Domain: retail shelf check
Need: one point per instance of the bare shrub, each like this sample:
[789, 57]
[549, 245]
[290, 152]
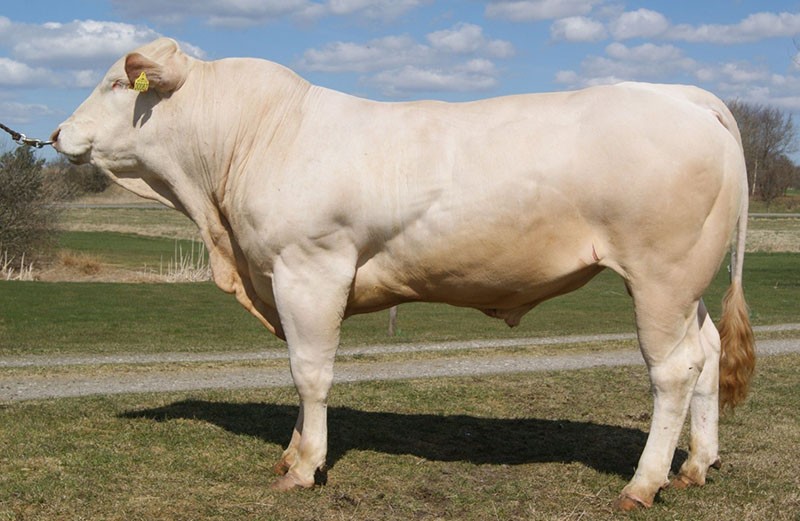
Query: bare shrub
[28, 215]
[73, 181]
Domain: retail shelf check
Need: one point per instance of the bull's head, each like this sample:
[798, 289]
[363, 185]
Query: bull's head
[110, 129]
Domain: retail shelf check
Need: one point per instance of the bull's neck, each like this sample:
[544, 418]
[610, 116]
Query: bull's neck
[250, 107]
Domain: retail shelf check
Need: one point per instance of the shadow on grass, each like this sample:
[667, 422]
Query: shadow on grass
[605, 448]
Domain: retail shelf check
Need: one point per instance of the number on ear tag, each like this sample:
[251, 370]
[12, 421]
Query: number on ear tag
[142, 84]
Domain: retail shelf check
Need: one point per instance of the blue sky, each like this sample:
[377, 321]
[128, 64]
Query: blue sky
[52, 53]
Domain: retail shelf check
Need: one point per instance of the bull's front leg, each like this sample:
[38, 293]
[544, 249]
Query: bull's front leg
[290, 454]
[311, 295]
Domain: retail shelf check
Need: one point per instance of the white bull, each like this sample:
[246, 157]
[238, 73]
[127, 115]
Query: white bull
[316, 205]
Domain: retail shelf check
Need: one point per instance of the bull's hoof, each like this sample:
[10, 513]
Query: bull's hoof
[682, 482]
[281, 468]
[689, 478]
[288, 482]
[626, 503]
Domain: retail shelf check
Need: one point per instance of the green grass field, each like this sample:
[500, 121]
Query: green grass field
[110, 317]
[127, 250]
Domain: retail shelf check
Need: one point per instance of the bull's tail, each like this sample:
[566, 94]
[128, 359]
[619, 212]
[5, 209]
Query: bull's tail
[738, 359]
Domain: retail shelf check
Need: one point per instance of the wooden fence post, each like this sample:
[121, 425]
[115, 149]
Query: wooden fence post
[392, 320]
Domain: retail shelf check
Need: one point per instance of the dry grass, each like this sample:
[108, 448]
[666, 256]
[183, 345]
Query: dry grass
[114, 194]
[72, 266]
[774, 235]
[147, 220]
[186, 266]
[550, 446]
[10, 269]
[81, 262]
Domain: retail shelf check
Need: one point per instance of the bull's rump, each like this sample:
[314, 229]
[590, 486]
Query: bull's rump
[545, 192]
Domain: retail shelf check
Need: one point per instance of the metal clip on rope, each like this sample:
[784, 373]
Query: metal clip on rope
[21, 139]
[32, 142]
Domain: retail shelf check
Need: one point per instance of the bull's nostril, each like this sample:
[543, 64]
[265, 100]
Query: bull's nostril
[54, 135]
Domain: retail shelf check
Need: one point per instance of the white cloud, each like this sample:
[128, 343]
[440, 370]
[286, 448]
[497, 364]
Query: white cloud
[786, 102]
[645, 53]
[577, 29]
[22, 113]
[456, 59]
[534, 10]
[382, 53]
[646, 23]
[229, 13]
[646, 62]
[642, 23]
[758, 87]
[475, 75]
[467, 38]
[755, 27]
[244, 13]
[73, 54]
[374, 9]
[17, 74]
[81, 42]
[568, 77]
[743, 73]
[85, 78]
[649, 62]
[747, 81]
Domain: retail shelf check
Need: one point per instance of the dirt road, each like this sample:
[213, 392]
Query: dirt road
[188, 371]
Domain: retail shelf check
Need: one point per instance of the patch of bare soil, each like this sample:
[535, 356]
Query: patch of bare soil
[169, 231]
[773, 241]
[104, 273]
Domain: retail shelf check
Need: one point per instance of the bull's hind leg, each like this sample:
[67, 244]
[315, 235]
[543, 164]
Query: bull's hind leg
[704, 410]
[669, 337]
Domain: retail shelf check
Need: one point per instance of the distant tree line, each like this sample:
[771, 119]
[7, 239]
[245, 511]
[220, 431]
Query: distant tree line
[769, 137]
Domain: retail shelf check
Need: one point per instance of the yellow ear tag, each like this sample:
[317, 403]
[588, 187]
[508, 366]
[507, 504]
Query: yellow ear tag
[142, 84]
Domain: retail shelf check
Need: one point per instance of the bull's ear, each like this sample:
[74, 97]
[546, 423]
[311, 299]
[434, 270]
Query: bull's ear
[164, 78]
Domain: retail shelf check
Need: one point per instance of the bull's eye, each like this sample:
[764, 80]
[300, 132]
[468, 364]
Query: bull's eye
[119, 84]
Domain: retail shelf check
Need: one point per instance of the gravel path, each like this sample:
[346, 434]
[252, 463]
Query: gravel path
[54, 384]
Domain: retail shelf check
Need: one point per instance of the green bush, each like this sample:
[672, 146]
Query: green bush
[28, 215]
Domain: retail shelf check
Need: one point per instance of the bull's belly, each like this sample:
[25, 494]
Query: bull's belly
[504, 290]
